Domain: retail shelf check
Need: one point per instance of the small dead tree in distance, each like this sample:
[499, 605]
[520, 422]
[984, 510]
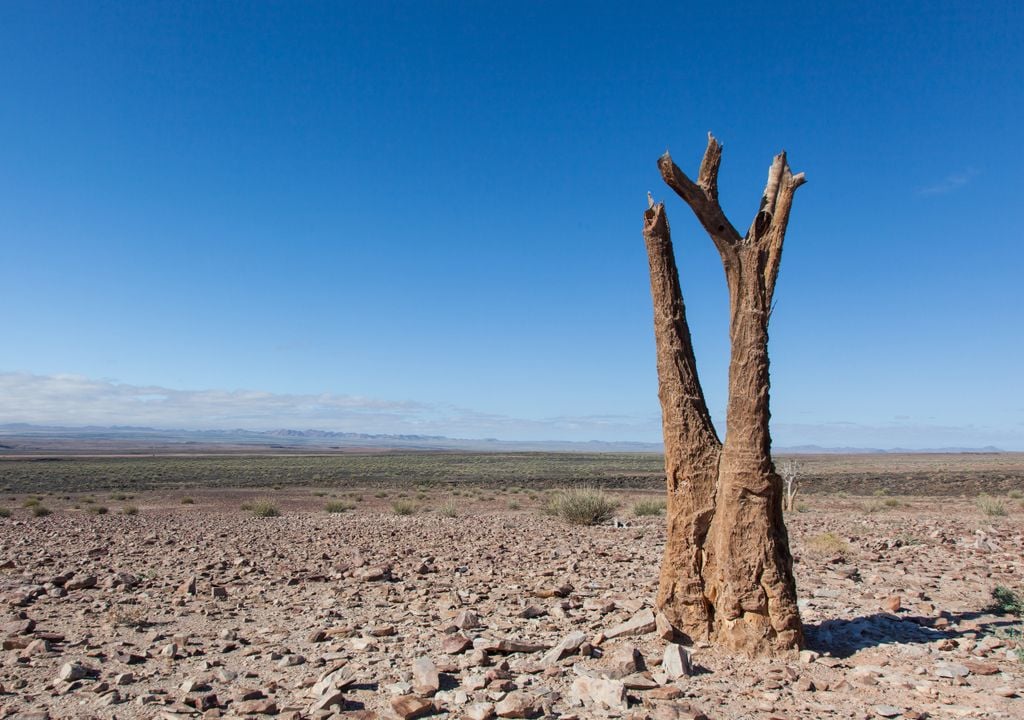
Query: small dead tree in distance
[727, 572]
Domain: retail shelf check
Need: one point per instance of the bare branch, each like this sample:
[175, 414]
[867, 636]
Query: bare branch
[769, 227]
[687, 422]
[702, 196]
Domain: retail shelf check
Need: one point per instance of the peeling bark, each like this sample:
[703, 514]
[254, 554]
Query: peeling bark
[727, 573]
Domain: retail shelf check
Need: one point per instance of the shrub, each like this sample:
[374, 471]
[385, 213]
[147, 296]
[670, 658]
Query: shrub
[338, 506]
[582, 506]
[188, 501]
[1007, 601]
[119, 497]
[98, 510]
[891, 502]
[513, 505]
[828, 543]
[403, 507]
[264, 508]
[449, 508]
[130, 510]
[991, 506]
[1015, 495]
[4, 512]
[40, 510]
[649, 507]
[30, 502]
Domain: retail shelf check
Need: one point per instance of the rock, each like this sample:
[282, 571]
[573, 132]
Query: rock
[517, 705]
[600, 691]
[507, 645]
[455, 644]
[666, 631]
[952, 670]
[676, 663]
[893, 604]
[569, 645]
[71, 671]
[640, 624]
[676, 711]
[808, 656]
[887, 711]
[467, 620]
[188, 587]
[479, 711]
[374, 573]
[425, 679]
[219, 592]
[263, 706]
[409, 707]
[327, 699]
[83, 582]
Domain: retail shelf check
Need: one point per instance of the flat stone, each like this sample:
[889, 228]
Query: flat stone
[640, 624]
[517, 705]
[600, 691]
[676, 663]
[887, 711]
[425, 679]
[409, 707]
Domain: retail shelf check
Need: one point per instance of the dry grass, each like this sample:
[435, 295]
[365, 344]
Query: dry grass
[649, 507]
[991, 506]
[582, 506]
[828, 543]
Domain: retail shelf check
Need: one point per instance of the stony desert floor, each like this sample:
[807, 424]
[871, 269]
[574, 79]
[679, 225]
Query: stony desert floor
[476, 604]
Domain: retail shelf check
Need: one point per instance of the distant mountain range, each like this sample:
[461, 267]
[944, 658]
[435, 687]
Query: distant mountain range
[26, 439]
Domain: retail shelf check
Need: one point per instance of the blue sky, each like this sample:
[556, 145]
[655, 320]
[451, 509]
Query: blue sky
[402, 217]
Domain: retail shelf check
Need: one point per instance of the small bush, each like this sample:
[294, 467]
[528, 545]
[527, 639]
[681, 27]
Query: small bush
[991, 506]
[338, 506]
[1007, 601]
[130, 510]
[582, 506]
[403, 507]
[828, 544]
[264, 508]
[30, 502]
[514, 505]
[98, 510]
[40, 511]
[1015, 495]
[188, 501]
[4, 512]
[119, 497]
[891, 502]
[449, 508]
[644, 508]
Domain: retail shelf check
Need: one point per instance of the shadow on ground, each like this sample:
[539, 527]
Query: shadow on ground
[843, 638]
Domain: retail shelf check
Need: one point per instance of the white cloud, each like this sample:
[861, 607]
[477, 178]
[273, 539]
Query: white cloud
[953, 181]
[76, 400]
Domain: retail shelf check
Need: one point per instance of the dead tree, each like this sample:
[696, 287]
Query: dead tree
[789, 471]
[727, 572]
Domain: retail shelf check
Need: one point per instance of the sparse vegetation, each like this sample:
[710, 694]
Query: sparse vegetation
[40, 510]
[98, 510]
[991, 506]
[404, 507]
[828, 543]
[514, 504]
[644, 508]
[1007, 601]
[130, 510]
[264, 508]
[1015, 495]
[582, 506]
[4, 512]
[188, 501]
[338, 506]
[449, 508]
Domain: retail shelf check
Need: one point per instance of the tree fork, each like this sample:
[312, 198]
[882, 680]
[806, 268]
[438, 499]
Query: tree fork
[727, 572]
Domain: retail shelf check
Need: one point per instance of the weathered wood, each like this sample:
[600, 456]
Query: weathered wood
[727, 573]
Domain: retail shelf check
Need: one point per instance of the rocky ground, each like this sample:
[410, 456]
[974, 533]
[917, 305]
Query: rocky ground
[483, 605]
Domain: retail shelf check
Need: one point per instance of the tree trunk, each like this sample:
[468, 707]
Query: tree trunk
[727, 573]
